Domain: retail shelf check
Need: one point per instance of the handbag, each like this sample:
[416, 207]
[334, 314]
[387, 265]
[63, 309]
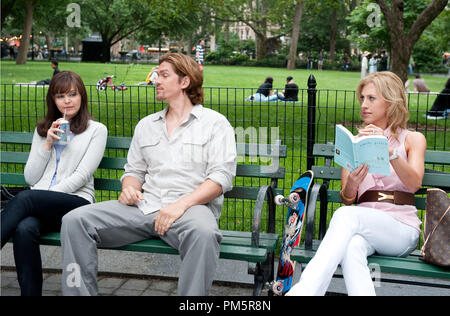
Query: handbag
[436, 235]
[7, 194]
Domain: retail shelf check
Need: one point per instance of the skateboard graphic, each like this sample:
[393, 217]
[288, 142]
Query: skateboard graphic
[296, 202]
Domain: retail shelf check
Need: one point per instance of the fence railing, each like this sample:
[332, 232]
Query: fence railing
[298, 125]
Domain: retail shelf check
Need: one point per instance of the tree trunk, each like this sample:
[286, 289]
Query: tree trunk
[333, 34]
[261, 46]
[25, 41]
[105, 56]
[401, 52]
[294, 39]
[49, 40]
[261, 30]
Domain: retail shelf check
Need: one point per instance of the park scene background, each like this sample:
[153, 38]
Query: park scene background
[246, 41]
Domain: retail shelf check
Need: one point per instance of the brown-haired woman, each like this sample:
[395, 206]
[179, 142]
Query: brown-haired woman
[385, 218]
[60, 176]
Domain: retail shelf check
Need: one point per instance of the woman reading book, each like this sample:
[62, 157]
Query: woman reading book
[384, 219]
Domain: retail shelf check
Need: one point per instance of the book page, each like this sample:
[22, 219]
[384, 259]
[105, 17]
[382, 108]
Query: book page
[373, 151]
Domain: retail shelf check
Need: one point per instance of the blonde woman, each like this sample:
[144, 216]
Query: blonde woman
[388, 227]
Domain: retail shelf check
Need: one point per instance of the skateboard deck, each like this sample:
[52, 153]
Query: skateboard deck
[296, 202]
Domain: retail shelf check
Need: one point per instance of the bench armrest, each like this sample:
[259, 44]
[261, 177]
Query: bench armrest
[256, 225]
[318, 191]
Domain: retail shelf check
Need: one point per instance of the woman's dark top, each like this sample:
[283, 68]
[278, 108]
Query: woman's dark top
[291, 92]
[264, 89]
[441, 103]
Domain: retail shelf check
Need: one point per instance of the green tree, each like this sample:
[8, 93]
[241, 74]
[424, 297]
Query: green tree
[274, 17]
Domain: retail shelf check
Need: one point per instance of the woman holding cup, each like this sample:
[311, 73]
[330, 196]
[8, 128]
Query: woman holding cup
[66, 150]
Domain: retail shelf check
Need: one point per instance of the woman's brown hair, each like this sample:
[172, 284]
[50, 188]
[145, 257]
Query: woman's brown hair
[63, 82]
[186, 66]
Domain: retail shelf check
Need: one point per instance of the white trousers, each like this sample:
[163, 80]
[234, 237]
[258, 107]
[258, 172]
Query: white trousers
[354, 234]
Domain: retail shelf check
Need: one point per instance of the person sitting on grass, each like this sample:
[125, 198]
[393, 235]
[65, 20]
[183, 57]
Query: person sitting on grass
[420, 85]
[265, 92]
[441, 106]
[54, 64]
[290, 91]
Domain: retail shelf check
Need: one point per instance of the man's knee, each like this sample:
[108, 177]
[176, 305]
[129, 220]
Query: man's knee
[74, 218]
[202, 227]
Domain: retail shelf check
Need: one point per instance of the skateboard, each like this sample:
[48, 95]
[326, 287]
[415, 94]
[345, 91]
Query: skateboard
[296, 202]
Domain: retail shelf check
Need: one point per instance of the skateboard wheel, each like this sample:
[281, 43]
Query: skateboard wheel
[294, 197]
[279, 200]
[277, 288]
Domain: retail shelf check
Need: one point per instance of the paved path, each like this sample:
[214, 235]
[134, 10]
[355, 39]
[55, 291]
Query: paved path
[121, 285]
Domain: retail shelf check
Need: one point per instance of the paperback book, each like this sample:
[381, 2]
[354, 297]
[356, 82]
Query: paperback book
[351, 151]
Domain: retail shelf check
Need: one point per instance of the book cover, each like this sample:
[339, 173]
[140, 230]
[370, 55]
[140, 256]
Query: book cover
[350, 151]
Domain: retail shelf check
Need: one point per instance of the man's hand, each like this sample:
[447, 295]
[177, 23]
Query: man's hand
[130, 196]
[204, 194]
[167, 216]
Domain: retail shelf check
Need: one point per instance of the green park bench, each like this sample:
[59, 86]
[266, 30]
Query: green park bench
[255, 247]
[323, 193]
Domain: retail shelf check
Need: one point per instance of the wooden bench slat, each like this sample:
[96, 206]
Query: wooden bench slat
[13, 179]
[14, 157]
[242, 170]
[237, 192]
[228, 250]
[437, 157]
[116, 142]
[255, 171]
[16, 137]
[249, 193]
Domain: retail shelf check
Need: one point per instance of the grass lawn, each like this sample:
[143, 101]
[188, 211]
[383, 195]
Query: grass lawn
[214, 76]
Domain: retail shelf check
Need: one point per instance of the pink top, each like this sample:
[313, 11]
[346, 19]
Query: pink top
[406, 214]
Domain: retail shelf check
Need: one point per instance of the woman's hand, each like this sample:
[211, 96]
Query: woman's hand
[370, 130]
[52, 135]
[351, 182]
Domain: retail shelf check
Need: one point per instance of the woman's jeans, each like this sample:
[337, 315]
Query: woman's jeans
[354, 234]
[29, 214]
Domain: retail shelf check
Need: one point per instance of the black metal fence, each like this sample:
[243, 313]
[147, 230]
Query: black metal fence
[298, 124]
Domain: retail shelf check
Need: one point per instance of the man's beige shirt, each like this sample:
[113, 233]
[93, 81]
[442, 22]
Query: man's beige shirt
[202, 147]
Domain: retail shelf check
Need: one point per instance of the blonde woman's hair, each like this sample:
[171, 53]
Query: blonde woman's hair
[392, 90]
